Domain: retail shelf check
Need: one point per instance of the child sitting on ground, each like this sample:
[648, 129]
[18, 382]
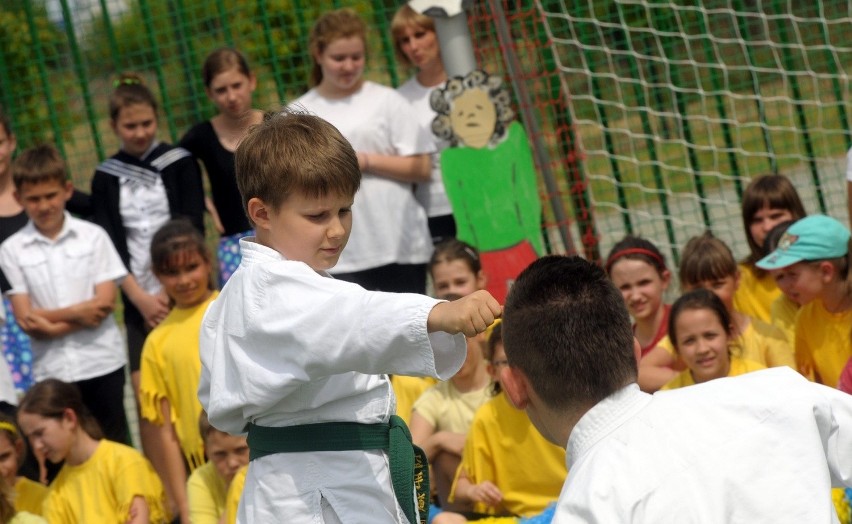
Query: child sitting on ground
[27, 495]
[507, 467]
[706, 262]
[298, 359]
[208, 485]
[814, 255]
[701, 332]
[456, 272]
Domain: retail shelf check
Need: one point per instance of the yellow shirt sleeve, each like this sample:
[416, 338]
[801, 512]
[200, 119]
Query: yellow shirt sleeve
[783, 311]
[235, 493]
[407, 390]
[765, 344]
[823, 344]
[755, 294]
[29, 495]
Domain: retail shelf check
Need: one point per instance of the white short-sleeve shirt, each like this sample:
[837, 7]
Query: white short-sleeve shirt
[58, 273]
[389, 225]
[431, 195]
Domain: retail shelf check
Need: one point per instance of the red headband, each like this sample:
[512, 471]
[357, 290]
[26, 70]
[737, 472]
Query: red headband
[634, 251]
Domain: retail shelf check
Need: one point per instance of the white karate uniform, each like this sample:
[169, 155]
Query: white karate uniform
[390, 225]
[283, 345]
[762, 447]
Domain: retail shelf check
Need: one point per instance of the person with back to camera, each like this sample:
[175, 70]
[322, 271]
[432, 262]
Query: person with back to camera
[390, 242]
[296, 358]
[762, 447]
[229, 84]
[416, 46]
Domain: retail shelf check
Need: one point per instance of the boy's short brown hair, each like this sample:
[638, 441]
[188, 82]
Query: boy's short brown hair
[292, 151]
[38, 164]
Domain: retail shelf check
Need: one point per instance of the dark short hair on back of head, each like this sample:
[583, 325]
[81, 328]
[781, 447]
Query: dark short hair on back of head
[41, 163]
[290, 152]
[704, 258]
[565, 326]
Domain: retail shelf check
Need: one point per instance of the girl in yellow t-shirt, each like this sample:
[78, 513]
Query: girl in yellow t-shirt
[501, 446]
[767, 201]
[28, 495]
[700, 330]
[100, 480]
[171, 366]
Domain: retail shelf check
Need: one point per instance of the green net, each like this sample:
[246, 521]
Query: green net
[645, 117]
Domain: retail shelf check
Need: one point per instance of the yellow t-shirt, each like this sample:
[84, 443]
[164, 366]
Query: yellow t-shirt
[235, 493]
[407, 390]
[761, 343]
[29, 495]
[447, 409]
[502, 445]
[823, 343]
[755, 294]
[102, 488]
[206, 492]
[784, 313]
[739, 366]
[171, 369]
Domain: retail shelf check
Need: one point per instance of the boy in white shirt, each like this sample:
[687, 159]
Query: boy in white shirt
[761, 447]
[64, 274]
[297, 359]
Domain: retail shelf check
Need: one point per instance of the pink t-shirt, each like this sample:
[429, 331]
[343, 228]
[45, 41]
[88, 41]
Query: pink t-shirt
[845, 383]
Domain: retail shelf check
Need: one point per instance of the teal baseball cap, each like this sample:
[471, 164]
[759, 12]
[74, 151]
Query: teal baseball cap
[816, 237]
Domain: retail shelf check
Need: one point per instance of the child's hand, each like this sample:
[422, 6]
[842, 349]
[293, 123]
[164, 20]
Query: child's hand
[469, 315]
[154, 308]
[486, 493]
[91, 313]
[39, 327]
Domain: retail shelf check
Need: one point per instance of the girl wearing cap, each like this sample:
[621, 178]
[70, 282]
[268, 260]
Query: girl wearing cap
[813, 258]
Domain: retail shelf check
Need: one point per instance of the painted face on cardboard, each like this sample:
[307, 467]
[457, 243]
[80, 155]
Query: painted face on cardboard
[641, 286]
[702, 343]
[473, 117]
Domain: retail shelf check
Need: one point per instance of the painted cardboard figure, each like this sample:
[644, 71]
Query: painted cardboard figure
[489, 176]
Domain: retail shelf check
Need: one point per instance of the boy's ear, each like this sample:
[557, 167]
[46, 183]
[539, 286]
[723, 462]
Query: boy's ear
[481, 279]
[516, 385]
[69, 190]
[827, 270]
[259, 213]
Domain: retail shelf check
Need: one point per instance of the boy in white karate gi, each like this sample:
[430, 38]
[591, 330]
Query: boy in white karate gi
[762, 447]
[296, 359]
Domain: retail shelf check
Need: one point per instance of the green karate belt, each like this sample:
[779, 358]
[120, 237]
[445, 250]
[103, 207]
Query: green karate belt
[408, 465]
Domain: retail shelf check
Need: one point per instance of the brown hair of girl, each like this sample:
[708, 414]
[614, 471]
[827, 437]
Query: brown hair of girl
[51, 397]
[130, 89]
[333, 25]
[221, 60]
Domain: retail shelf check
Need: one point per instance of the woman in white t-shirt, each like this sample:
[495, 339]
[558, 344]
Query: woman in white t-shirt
[416, 45]
[390, 242]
